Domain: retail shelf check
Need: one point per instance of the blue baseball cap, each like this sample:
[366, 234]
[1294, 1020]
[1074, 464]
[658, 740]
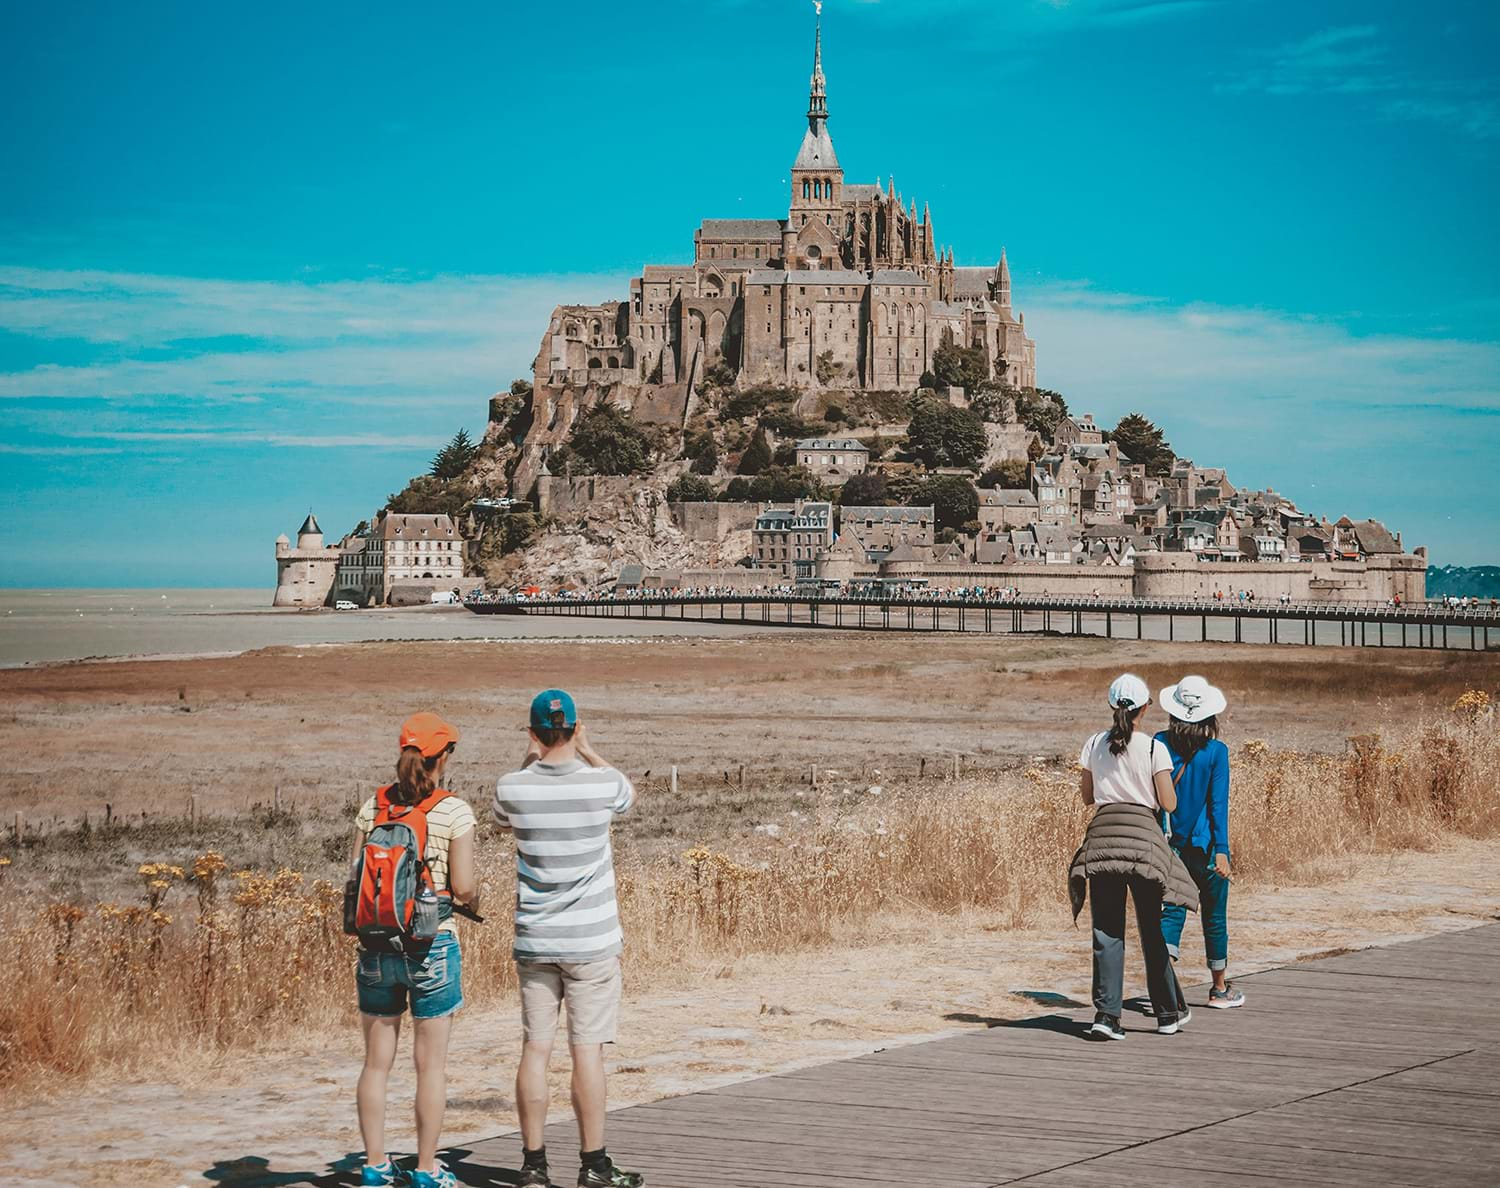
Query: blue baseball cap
[546, 705]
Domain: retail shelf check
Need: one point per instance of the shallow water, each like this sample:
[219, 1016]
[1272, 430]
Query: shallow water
[39, 626]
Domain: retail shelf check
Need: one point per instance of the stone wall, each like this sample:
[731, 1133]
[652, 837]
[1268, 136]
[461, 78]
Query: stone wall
[732, 578]
[1079, 581]
[1181, 575]
[303, 580]
[565, 498]
[712, 522]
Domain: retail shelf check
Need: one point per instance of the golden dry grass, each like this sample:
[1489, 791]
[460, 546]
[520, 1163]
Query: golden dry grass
[210, 962]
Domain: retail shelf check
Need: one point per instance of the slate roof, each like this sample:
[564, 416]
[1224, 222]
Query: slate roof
[410, 527]
[806, 276]
[862, 192]
[973, 282]
[898, 276]
[832, 443]
[309, 525]
[741, 229]
[817, 150]
[1051, 538]
[889, 515]
[1006, 498]
[1373, 537]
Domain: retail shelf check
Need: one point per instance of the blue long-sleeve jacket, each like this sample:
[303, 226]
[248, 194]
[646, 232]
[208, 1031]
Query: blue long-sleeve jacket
[1201, 818]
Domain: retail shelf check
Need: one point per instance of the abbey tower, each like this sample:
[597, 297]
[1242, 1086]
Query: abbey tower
[849, 290]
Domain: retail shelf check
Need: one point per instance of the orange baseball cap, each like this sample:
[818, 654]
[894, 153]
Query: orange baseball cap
[428, 733]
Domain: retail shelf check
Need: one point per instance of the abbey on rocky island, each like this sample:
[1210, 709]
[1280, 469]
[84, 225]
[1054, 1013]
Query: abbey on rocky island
[848, 291]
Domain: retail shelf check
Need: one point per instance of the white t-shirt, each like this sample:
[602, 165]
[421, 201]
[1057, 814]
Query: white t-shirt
[1127, 778]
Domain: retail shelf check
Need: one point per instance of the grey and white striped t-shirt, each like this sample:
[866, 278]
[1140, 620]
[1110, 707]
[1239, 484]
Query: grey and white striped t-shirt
[565, 874]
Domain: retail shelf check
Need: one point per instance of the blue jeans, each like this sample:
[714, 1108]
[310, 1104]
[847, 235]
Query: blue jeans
[1213, 908]
[432, 982]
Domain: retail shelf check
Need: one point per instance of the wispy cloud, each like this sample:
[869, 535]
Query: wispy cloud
[1355, 60]
[382, 363]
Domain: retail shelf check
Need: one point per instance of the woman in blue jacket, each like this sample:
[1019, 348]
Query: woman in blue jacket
[1199, 825]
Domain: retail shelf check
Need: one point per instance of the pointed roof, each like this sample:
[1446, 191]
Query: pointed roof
[310, 525]
[817, 147]
[817, 150]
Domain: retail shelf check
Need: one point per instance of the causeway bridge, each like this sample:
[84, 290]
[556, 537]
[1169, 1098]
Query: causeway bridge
[1313, 624]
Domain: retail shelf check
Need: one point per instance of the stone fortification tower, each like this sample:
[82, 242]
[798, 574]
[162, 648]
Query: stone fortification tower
[304, 575]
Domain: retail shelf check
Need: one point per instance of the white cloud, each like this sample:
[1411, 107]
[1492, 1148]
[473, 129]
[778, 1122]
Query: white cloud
[378, 362]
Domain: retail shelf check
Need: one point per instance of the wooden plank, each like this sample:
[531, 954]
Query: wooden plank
[1365, 1068]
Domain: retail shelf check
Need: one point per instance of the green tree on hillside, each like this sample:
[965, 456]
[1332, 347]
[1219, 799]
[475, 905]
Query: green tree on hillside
[1041, 410]
[1144, 444]
[864, 490]
[962, 367]
[691, 488]
[941, 435]
[953, 498]
[757, 455]
[777, 484]
[1011, 475]
[454, 458]
[604, 441]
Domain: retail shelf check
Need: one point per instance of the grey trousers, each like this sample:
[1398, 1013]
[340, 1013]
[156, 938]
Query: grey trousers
[1107, 909]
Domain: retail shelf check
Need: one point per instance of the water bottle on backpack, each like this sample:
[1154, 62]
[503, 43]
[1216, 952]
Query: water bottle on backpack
[390, 902]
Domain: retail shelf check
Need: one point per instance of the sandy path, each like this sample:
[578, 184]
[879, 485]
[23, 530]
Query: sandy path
[292, 1111]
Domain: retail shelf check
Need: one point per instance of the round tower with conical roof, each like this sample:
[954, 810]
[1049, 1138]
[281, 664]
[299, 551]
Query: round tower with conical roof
[305, 574]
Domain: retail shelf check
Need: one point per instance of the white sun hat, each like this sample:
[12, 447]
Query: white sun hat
[1192, 699]
[1130, 691]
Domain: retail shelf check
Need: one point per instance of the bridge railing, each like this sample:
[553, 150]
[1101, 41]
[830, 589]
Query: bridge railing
[1435, 612]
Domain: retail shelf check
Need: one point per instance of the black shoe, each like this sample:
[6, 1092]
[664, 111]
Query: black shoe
[1106, 1027]
[612, 1178]
[1172, 1024]
[534, 1177]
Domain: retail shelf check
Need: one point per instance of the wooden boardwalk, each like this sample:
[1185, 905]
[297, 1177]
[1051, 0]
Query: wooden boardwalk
[1378, 1067]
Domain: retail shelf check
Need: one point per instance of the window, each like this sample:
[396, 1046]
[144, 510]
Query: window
[806, 188]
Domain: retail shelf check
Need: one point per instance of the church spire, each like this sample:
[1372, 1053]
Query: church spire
[1002, 281]
[817, 100]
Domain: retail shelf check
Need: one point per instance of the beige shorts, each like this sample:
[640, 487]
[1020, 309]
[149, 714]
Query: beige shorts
[591, 990]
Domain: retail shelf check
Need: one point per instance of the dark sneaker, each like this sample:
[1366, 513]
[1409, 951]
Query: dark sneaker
[1172, 1024]
[1106, 1027]
[534, 1177]
[1225, 998]
[613, 1178]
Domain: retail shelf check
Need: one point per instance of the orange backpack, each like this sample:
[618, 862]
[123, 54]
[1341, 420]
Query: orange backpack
[390, 902]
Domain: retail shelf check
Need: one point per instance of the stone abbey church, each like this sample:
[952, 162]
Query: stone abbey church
[848, 291]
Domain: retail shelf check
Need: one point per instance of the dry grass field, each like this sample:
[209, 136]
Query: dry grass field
[155, 944]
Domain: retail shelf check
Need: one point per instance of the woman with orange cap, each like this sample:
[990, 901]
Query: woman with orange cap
[424, 974]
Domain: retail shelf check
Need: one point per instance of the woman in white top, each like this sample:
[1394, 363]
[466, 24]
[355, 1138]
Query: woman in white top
[1125, 767]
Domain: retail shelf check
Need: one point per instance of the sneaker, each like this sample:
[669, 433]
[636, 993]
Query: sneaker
[1225, 998]
[1172, 1024]
[381, 1174]
[612, 1178]
[1106, 1027]
[534, 1177]
[442, 1178]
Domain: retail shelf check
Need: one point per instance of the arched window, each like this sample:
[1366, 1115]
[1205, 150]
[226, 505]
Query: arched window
[817, 189]
[806, 188]
[614, 360]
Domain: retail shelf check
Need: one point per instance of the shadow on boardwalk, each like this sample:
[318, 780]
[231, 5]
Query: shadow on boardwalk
[1380, 1066]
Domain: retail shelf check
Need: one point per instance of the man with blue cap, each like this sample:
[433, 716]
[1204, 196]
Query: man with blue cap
[568, 940]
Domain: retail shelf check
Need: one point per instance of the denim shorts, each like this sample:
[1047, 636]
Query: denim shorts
[433, 982]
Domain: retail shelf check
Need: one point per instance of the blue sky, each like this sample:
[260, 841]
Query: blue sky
[260, 258]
